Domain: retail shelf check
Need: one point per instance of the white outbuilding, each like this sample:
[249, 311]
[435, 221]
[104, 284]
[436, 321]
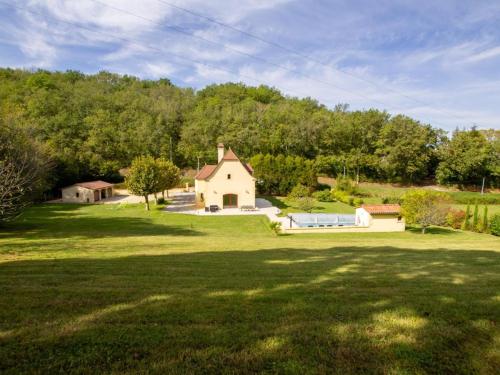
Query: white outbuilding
[87, 192]
[380, 217]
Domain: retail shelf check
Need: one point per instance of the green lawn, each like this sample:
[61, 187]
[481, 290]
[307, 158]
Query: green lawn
[115, 289]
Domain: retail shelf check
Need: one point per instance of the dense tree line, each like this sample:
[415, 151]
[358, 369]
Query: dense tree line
[93, 125]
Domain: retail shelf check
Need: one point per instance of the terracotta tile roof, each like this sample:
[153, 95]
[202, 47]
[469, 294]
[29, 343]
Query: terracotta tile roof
[382, 209]
[205, 172]
[94, 185]
[230, 155]
[209, 169]
[249, 168]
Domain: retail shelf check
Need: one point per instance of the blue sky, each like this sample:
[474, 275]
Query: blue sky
[437, 61]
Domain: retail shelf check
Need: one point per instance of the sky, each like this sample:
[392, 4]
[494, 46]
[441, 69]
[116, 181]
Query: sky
[436, 61]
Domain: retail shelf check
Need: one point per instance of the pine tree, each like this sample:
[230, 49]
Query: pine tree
[485, 219]
[466, 224]
[475, 218]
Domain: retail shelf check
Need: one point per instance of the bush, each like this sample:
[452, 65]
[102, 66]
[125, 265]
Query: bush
[275, 226]
[455, 218]
[495, 225]
[358, 202]
[161, 201]
[341, 196]
[299, 191]
[323, 196]
[346, 185]
[306, 204]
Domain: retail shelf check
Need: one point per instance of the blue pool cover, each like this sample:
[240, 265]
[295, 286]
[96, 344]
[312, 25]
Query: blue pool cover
[323, 220]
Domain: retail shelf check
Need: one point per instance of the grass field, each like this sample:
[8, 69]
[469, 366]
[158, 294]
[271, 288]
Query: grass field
[115, 289]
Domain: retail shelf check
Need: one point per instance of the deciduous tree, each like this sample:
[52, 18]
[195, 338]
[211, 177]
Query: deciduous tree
[143, 177]
[425, 207]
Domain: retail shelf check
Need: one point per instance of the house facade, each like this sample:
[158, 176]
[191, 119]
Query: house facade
[227, 184]
[87, 192]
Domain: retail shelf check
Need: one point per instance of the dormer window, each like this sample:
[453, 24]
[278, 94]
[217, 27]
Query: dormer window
[228, 176]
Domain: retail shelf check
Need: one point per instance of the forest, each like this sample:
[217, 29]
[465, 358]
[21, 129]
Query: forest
[90, 126]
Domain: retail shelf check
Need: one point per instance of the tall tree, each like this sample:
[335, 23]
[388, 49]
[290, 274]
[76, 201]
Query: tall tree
[467, 158]
[407, 149]
[143, 177]
[169, 175]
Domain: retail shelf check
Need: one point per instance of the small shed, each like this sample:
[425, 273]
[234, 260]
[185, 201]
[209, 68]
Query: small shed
[87, 192]
[380, 217]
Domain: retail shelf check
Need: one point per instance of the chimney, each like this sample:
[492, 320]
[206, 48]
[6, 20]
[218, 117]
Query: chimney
[220, 152]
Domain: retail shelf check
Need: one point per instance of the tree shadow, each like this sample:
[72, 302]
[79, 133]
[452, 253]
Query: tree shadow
[67, 221]
[275, 201]
[344, 310]
[432, 230]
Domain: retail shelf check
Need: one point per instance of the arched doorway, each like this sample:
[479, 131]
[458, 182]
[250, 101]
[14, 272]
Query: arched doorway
[230, 200]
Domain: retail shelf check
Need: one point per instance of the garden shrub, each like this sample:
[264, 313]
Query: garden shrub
[323, 196]
[305, 204]
[299, 191]
[495, 225]
[275, 226]
[455, 218]
[346, 185]
[341, 196]
[358, 202]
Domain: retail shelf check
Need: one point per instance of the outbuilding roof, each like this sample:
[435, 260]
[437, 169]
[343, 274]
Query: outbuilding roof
[94, 185]
[382, 209]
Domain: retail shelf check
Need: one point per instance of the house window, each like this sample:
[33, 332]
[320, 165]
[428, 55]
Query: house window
[77, 194]
[228, 176]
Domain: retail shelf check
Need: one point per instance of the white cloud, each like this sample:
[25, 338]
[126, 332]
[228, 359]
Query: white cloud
[486, 54]
[159, 69]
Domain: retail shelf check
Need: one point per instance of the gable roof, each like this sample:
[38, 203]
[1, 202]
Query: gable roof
[209, 169]
[230, 155]
[94, 185]
[382, 209]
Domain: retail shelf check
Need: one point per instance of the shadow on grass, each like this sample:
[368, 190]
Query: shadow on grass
[275, 202]
[432, 230]
[344, 310]
[67, 221]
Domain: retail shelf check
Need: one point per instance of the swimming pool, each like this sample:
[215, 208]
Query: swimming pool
[323, 220]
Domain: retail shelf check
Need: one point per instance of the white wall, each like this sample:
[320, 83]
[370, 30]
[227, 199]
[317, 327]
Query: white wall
[363, 218]
[241, 183]
[84, 195]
